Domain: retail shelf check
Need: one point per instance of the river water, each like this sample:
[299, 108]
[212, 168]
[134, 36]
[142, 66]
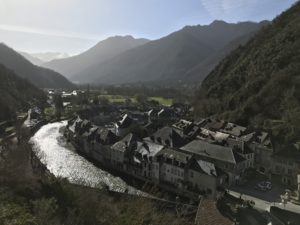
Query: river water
[53, 151]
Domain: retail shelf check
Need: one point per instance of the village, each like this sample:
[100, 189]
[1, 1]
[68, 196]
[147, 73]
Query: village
[165, 146]
[205, 162]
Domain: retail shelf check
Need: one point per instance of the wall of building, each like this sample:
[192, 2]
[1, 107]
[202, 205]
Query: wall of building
[202, 182]
[172, 174]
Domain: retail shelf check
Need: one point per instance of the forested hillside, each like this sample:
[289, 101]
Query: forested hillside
[15, 93]
[259, 83]
[41, 77]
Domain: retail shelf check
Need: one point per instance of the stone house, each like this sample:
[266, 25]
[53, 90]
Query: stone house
[173, 167]
[104, 138]
[145, 154]
[168, 137]
[204, 177]
[223, 157]
[122, 127]
[122, 152]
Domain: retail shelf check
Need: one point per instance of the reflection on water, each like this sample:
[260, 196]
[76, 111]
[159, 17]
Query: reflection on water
[53, 152]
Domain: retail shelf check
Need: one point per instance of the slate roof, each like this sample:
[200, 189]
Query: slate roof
[213, 151]
[106, 136]
[168, 136]
[204, 167]
[153, 112]
[183, 124]
[125, 122]
[166, 112]
[214, 125]
[248, 137]
[148, 148]
[239, 146]
[233, 129]
[174, 154]
[129, 140]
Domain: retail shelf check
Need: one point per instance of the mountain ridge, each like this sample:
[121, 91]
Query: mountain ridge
[102, 51]
[168, 58]
[39, 76]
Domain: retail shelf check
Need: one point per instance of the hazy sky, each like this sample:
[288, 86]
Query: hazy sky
[74, 25]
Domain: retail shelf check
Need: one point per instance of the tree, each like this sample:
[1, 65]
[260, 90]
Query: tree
[141, 98]
[59, 106]
[96, 100]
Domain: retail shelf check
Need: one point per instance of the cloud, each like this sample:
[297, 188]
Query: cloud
[213, 7]
[219, 8]
[38, 31]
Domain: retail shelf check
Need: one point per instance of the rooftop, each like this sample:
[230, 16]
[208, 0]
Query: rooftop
[213, 151]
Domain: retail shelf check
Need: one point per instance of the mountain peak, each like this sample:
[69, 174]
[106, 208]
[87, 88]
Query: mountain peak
[218, 22]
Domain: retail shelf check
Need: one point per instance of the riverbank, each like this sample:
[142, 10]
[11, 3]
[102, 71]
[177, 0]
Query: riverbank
[31, 195]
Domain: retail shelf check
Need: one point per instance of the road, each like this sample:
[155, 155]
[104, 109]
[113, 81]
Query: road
[265, 205]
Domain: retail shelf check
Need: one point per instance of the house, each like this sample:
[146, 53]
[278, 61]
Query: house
[214, 124]
[168, 137]
[223, 157]
[153, 114]
[167, 115]
[104, 138]
[233, 129]
[86, 143]
[212, 136]
[243, 149]
[122, 127]
[122, 152]
[263, 150]
[72, 130]
[145, 154]
[286, 165]
[180, 108]
[187, 128]
[173, 166]
[204, 177]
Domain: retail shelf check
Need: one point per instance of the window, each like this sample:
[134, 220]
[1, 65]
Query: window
[191, 174]
[290, 171]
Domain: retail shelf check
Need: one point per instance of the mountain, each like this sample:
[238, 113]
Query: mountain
[168, 59]
[101, 52]
[41, 77]
[202, 69]
[32, 59]
[15, 93]
[259, 83]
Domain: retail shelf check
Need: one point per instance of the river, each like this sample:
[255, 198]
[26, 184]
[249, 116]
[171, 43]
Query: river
[62, 161]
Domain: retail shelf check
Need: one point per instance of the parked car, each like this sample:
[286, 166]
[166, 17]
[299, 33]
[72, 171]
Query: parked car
[260, 187]
[268, 185]
[263, 186]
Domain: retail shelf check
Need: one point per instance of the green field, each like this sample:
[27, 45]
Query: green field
[122, 99]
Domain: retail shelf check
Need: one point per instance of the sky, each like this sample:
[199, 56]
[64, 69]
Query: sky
[73, 26]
